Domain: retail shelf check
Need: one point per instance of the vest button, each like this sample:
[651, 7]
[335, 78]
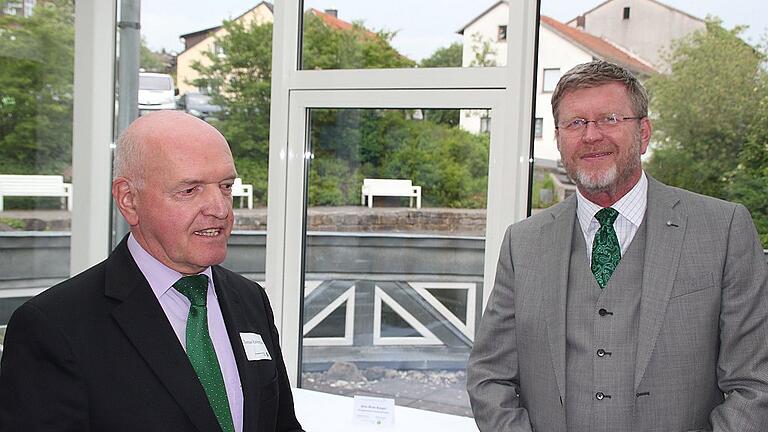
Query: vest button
[599, 395]
[602, 312]
[600, 352]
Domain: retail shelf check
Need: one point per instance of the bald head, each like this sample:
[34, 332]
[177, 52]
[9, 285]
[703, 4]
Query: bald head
[165, 132]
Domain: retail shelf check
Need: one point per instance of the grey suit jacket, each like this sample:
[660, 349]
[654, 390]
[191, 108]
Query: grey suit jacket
[702, 345]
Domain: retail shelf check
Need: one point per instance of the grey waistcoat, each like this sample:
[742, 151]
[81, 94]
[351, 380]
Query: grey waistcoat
[601, 345]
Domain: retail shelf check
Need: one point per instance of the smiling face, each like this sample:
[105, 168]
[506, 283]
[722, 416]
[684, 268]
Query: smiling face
[181, 211]
[604, 163]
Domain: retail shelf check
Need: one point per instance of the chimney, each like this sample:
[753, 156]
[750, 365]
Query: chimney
[332, 12]
[581, 21]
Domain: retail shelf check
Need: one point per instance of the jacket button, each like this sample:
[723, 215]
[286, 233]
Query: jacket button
[602, 312]
[600, 352]
[599, 395]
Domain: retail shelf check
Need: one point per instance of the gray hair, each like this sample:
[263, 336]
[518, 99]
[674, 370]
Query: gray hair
[128, 155]
[597, 73]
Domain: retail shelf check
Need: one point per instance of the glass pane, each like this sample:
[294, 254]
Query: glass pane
[223, 75]
[351, 34]
[36, 87]
[395, 239]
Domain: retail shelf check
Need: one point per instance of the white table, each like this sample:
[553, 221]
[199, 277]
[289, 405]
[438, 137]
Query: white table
[321, 412]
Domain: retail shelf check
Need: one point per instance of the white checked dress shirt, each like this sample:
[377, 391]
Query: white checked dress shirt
[631, 208]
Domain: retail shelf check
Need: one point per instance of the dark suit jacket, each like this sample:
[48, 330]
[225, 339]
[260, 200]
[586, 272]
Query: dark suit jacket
[96, 353]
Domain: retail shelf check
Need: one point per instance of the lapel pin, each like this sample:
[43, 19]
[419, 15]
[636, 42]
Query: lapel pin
[671, 224]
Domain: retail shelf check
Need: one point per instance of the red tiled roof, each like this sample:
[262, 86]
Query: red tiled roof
[331, 21]
[600, 47]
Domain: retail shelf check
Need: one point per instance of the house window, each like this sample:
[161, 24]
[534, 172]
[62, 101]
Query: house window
[485, 124]
[218, 49]
[538, 127]
[626, 13]
[502, 33]
[550, 79]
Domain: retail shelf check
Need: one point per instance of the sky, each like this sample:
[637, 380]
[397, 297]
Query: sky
[422, 26]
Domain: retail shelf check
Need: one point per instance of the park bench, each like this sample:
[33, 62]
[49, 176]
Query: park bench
[391, 187]
[242, 190]
[35, 186]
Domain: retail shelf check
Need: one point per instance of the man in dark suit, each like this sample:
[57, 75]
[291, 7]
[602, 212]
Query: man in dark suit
[157, 337]
[631, 305]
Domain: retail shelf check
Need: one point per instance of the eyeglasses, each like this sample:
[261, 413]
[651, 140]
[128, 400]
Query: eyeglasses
[578, 125]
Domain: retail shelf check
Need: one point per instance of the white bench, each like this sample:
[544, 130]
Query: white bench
[35, 186]
[390, 187]
[242, 190]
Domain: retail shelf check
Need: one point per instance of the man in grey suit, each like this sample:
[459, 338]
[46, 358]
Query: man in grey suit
[630, 306]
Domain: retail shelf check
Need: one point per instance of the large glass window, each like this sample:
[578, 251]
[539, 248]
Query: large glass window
[395, 222]
[36, 102]
[402, 34]
[220, 60]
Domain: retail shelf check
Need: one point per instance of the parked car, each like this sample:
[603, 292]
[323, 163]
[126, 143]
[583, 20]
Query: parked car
[199, 105]
[156, 92]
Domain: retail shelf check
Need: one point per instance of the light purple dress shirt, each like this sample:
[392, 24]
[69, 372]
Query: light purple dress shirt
[176, 308]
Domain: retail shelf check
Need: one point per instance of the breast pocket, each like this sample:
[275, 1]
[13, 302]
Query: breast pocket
[691, 283]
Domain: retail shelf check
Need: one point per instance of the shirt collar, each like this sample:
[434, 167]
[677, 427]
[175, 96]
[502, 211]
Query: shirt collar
[627, 206]
[160, 277]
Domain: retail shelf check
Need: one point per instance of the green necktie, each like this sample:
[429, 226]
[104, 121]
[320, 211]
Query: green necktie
[606, 251]
[200, 348]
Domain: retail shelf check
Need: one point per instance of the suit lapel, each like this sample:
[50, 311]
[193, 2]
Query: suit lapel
[146, 327]
[666, 224]
[555, 251]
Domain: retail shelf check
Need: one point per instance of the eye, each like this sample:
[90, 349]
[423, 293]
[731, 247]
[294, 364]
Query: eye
[576, 123]
[611, 119]
[188, 191]
[227, 187]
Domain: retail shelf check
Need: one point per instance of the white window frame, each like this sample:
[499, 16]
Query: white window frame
[507, 91]
[547, 84]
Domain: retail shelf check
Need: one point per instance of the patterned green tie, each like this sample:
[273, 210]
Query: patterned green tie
[606, 251]
[200, 348]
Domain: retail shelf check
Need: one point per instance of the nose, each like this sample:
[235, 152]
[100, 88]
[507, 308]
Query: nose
[217, 203]
[592, 132]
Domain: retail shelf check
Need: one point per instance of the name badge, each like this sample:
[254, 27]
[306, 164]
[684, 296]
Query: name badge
[254, 347]
[378, 412]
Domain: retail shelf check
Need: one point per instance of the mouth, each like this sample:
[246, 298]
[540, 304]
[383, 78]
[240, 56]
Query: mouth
[596, 155]
[209, 232]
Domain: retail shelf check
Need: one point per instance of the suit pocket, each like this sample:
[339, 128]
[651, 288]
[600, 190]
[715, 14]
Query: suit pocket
[686, 285]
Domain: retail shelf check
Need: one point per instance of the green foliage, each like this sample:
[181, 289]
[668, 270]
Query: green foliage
[36, 86]
[16, 224]
[149, 60]
[712, 121]
[449, 164]
[749, 183]
[348, 145]
[704, 106]
[540, 184]
[449, 56]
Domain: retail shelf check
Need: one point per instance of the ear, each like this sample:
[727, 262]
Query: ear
[124, 193]
[646, 130]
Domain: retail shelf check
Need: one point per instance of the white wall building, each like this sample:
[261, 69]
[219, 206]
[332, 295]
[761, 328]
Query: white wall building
[646, 27]
[560, 48]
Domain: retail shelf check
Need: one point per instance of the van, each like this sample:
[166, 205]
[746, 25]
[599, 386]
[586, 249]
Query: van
[156, 92]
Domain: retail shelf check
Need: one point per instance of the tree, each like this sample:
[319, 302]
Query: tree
[704, 109]
[449, 56]
[149, 60]
[712, 120]
[36, 87]
[749, 182]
